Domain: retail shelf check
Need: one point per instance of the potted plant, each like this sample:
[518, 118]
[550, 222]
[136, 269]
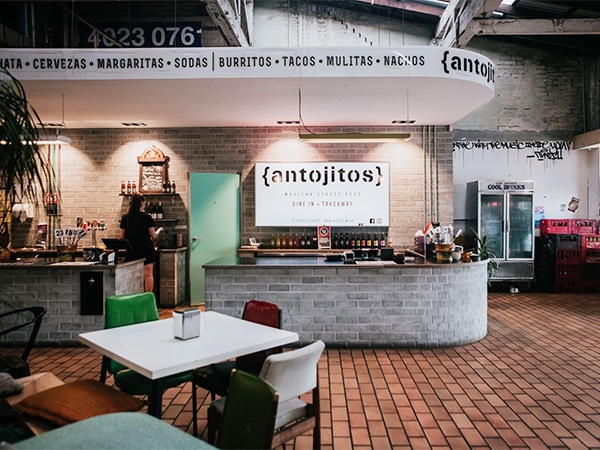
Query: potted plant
[23, 168]
[484, 252]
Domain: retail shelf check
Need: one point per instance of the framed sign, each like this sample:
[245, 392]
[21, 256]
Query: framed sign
[322, 193]
[153, 170]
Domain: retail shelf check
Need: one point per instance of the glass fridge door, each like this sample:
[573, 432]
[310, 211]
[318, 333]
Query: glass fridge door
[491, 222]
[520, 232]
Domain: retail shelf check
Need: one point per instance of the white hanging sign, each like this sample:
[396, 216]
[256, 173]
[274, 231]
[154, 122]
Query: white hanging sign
[332, 193]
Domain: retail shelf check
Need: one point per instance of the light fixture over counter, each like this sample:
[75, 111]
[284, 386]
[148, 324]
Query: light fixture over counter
[354, 137]
[53, 140]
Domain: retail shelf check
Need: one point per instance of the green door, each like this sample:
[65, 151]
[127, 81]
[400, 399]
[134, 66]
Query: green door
[214, 224]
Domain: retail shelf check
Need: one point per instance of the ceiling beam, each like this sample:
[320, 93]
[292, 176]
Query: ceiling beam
[524, 27]
[455, 27]
[233, 19]
[587, 140]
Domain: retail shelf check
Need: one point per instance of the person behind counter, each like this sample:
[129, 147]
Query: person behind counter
[138, 228]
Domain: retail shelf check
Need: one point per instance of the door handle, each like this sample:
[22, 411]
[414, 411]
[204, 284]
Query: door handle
[196, 239]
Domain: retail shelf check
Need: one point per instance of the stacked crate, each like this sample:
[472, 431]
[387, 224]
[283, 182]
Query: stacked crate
[568, 255]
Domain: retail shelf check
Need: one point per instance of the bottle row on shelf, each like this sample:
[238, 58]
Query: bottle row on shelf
[155, 210]
[341, 241]
[130, 188]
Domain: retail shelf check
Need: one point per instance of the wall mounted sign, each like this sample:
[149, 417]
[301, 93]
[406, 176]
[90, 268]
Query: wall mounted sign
[313, 194]
[153, 170]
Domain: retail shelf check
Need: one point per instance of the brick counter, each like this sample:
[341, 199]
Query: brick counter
[57, 288]
[370, 305]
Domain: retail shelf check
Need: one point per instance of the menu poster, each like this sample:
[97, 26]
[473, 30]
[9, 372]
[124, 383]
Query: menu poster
[151, 178]
[330, 193]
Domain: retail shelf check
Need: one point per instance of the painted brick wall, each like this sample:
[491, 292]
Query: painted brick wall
[349, 306]
[93, 166]
[58, 290]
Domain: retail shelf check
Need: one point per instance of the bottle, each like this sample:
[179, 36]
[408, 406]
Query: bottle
[363, 241]
[353, 241]
[315, 242]
[382, 242]
[128, 187]
[278, 242]
[369, 242]
[335, 242]
[164, 187]
[302, 242]
[168, 186]
[133, 188]
[159, 212]
[284, 242]
[123, 188]
[295, 241]
[347, 241]
[173, 189]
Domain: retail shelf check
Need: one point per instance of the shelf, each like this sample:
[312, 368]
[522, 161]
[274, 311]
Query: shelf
[167, 220]
[146, 194]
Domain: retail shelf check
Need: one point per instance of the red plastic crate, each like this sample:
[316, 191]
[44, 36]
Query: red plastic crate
[568, 255]
[566, 285]
[590, 256]
[554, 226]
[568, 270]
[583, 226]
[590, 241]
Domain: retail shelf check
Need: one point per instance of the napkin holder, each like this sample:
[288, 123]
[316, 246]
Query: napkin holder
[186, 323]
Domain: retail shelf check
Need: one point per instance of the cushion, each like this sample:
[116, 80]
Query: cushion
[76, 401]
[9, 386]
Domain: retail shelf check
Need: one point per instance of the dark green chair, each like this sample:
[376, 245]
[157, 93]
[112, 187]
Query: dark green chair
[249, 413]
[129, 309]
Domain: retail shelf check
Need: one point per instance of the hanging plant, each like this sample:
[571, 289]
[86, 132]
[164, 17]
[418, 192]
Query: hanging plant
[23, 169]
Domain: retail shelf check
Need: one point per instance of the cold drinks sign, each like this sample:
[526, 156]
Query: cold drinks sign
[332, 193]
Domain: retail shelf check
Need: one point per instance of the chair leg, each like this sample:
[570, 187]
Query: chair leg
[212, 426]
[316, 399]
[194, 410]
[104, 368]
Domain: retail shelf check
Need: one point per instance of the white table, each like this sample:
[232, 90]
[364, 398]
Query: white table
[151, 349]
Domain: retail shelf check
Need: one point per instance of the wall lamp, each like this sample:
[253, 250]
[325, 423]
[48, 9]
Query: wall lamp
[354, 137]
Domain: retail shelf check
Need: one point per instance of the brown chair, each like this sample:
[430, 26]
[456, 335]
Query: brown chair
[215, 377]
[292, 374]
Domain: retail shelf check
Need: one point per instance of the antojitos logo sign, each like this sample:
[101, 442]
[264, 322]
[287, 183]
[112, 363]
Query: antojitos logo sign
[312, 194]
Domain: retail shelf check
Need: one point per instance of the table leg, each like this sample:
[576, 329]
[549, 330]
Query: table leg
[155, 398]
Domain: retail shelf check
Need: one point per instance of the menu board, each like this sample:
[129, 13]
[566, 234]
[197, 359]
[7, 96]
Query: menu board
[330, 193]
[152, 178]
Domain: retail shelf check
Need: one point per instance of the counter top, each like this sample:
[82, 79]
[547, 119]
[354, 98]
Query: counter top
[310, 261]
[48, 263]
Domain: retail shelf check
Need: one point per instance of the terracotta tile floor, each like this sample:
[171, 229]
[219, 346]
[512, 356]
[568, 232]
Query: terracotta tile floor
[533, 382]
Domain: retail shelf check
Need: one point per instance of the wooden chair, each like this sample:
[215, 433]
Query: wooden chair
[249, 412]
[292, 374]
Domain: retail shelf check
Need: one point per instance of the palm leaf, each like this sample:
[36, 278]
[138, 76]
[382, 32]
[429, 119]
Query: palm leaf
[24, 171]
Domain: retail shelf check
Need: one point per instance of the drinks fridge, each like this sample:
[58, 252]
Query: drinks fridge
[503, 211]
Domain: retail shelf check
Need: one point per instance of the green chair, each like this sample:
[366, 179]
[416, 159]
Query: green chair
[249, 413]
[129, 309]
